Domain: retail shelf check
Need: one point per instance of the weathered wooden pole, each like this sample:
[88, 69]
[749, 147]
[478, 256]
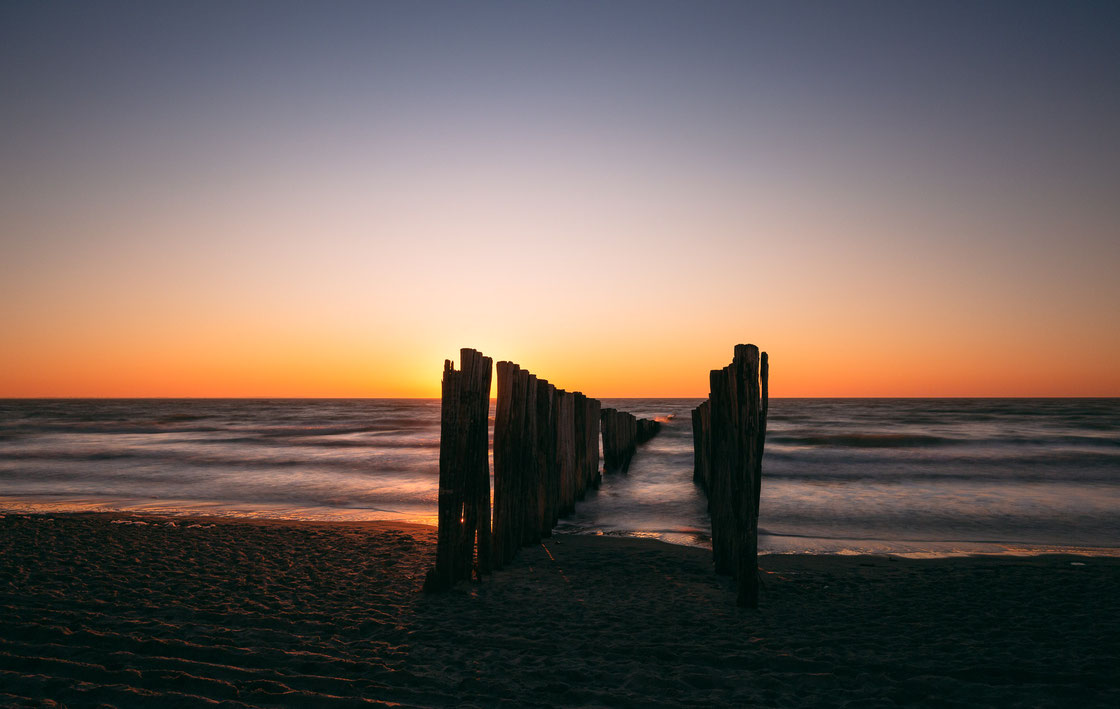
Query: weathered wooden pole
[572, 453]
[451, 474]
[631, 437]
[702, 444]
[552, 482]
[746, 364]
[610, 457]
[477, 371]
[729, 432]
[608, 445]
[758, 372]
[464, 472]
[545, 394]
[509, 429]
[724, 455]
[517, 461]
[530, 466]
[764, 392]
[566, 452]
[591, 446]
[503, 407]
[579, 430]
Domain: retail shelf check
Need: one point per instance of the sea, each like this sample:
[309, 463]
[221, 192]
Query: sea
[911, 477]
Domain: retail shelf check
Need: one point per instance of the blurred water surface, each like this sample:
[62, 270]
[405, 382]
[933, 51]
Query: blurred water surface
[909, 476]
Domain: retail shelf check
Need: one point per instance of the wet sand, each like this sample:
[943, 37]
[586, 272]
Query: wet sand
[143, 611]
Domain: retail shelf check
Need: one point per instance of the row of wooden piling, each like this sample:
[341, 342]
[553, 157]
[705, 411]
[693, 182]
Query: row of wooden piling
[729, 432]
[546, 457]
[622, 432]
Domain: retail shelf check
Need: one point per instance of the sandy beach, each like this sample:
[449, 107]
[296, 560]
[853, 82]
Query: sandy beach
[144, 611]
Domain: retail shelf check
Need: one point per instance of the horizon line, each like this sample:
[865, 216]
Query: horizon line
[492, 398]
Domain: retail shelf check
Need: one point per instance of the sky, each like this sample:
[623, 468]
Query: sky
[331, 198]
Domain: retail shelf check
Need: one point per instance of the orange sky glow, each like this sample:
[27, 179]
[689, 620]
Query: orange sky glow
[332, 207]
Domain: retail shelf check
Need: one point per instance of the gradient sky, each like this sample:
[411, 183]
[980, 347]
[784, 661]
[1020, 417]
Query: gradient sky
[328, 198]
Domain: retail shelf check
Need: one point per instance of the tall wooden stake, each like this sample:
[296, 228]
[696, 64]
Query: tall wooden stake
[464, 472]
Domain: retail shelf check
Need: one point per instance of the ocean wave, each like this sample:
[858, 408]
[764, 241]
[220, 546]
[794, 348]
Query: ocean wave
[913, 439]
[862, 440]
[1006, 474]
[232, 459]
[156, 427]
[371, 445]
[184, 476]
[130, 428]
[1030, 537]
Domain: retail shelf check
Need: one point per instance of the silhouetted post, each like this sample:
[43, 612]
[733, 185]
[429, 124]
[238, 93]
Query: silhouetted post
[764, 392]
[702, 444]
[464, 472]
[572, 454]
[566, 452]
[614, 444]
[757, 404]
[579, 429]
[517, 461]
[608, 445]
[477, 371]
[591, 446]
[506, 460]
[746, 364]
[451, 474]
[631, 438]
[530, 467]
[729, 432]
[724, 456]
[547, 466]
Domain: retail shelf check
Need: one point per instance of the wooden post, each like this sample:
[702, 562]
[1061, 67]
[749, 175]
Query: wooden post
[530, 465]
[606, 424]
[701, 434]
[729, 432]
[631, 438]
[544, 436]
[566, 452]
[724, 454]
[464, 472]
[591, 431]
[477, 371]
[746, 365]
[450, 498]
[520, 422]
[579, 421]
[627, 440]
[551, 480]
[504, 463]
[764, 392]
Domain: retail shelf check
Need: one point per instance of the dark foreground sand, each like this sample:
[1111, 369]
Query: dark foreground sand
[308, 615]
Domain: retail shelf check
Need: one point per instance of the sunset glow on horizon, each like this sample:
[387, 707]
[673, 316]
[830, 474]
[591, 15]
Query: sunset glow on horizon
[304, 200]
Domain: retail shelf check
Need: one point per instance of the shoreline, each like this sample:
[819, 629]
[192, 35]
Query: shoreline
[251, 612]
[185, 519]
[949, 549]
